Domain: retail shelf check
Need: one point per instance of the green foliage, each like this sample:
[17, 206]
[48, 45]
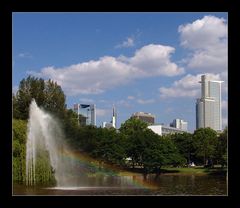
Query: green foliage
[221, 149]
[54, 98]
[133, 125]
[205, 141]
[134, 140]
[44, 172]
[147, 149]
[71, 128]
[109, 146]
[135, 132]
[19, 150]
[47, 94]
[184, 143]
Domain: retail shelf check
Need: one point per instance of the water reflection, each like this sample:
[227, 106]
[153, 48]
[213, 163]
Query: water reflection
[135, 185]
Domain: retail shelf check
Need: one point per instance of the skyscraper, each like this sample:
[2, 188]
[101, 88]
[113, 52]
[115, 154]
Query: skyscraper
[86, 113]
[114, 118]
[112, 122]
[208, 107]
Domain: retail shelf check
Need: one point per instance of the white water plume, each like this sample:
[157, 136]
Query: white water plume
[45, 135]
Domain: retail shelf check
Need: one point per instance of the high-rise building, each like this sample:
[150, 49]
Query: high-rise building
[208, 107]
[112, 122]
[114, 118]
[86, 113]
[179, 124]
[146, 117]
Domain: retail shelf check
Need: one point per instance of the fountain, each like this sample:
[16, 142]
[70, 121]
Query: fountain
[46, 137]
[71, 170]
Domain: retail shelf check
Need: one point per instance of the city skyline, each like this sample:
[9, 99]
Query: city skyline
[139, 62]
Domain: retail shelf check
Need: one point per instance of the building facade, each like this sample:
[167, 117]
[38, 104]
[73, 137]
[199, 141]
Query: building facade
[146, 117]
[86, 113]
[208, 107]
[112, 123]
[163, 130]
[179, 124]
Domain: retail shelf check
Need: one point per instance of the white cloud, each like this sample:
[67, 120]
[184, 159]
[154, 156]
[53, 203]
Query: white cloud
[24, 55]
[130, 97]
[203, 33]
[153, 60]
[102, 112]
[123, 103]
[139, 100]
[94, 77]
[207, 39]
[188, 86]
[142, 101]
[175, 92]
[127, 43]
[86, 100]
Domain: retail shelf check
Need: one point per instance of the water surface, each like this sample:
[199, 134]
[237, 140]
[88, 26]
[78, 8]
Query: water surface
[135, 185]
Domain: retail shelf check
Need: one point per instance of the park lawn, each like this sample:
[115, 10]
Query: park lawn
[193, 170]
[185, 170]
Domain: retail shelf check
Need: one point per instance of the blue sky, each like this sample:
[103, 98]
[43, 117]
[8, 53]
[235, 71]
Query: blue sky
[148, 62]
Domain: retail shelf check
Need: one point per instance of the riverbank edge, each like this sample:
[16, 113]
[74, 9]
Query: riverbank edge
[179, 171]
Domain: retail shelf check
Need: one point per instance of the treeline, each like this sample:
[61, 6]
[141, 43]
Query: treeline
[132, 146]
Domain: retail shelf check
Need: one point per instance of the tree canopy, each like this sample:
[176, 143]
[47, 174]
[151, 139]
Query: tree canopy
[205, 140]
[47, 94]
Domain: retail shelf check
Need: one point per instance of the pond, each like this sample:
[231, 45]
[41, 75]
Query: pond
[135, 185]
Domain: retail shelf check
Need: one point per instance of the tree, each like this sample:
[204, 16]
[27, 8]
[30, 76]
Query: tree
[71, 127]
[147, 149]
[171, 152]
[54, 98]
[47, 94]
[134, 130]
[184, 143]
[19, 150]
[133, 125]
[29, 88]
[205, 140]
[221, 149]
[110, 146]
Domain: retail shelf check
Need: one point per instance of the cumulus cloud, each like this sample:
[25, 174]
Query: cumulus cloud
[24, 55]
[102, 112]
[188, 86]
[129, 42]
[86, 100]
[123, 103]
[155, 60]
[207, 40]
[130, 97]
[97, 76]
[143, 102]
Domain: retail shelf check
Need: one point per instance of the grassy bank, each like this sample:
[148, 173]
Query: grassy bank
[194, 170]
[180, 171]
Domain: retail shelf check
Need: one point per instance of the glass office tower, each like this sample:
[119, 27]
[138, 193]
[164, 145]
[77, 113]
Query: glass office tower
[208, 107]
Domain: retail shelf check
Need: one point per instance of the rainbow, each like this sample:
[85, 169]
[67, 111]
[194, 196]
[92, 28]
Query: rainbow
[85, 161]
